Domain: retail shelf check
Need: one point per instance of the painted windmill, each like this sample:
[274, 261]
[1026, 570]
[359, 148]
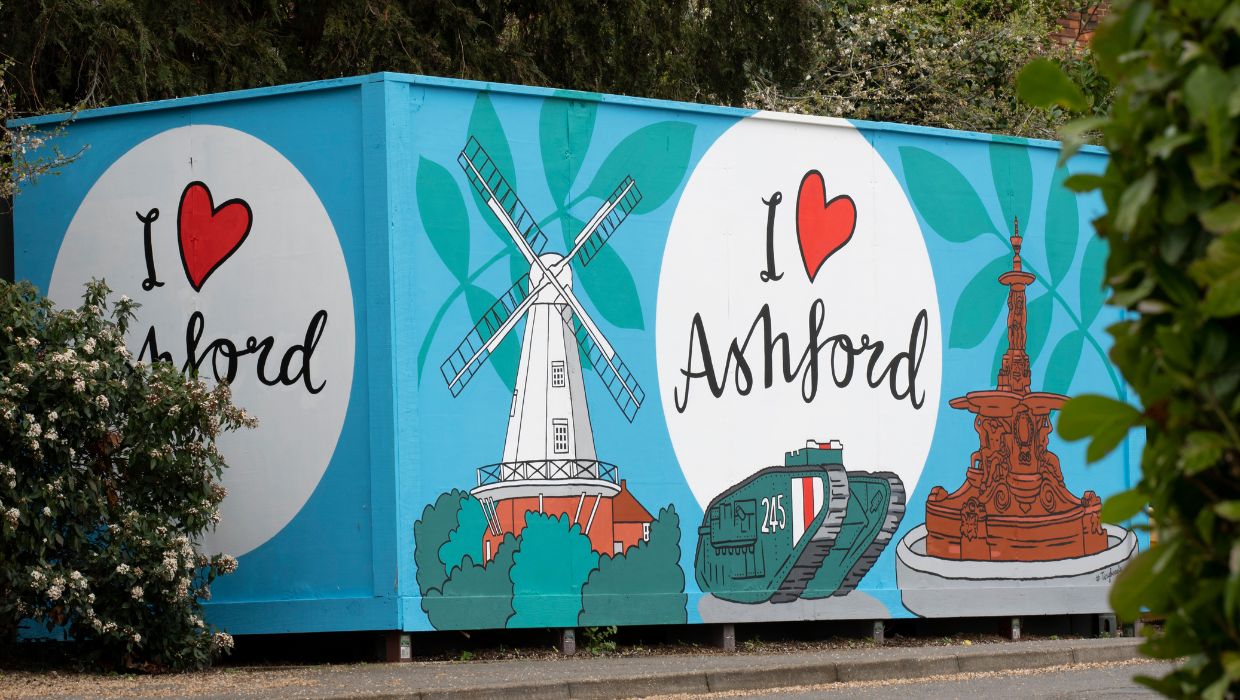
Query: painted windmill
[549, 461]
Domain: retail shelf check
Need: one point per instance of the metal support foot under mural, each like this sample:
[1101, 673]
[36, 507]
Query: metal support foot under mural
[1012, 538]
[800, 533]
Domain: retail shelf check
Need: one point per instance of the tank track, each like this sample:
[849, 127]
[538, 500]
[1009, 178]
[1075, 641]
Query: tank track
[891, 522]
[806, 565]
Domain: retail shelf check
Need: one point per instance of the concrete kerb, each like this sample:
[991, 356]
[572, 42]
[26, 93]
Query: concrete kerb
[901, 663]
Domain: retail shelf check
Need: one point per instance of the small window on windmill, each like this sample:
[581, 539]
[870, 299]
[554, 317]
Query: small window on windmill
[645, 532]
[559, 435]
[513, 411]
[557, 373]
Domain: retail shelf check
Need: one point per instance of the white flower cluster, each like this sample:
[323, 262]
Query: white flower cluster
[227, 564]
[222, 641]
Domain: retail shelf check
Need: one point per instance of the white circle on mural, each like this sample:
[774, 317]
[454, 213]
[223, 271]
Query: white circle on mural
[242, 249]
[873, 285]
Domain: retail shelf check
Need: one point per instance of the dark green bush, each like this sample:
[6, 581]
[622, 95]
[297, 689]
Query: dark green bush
[1172, 191]
[108, 476]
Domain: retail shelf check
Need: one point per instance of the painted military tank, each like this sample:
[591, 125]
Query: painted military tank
[807, 529]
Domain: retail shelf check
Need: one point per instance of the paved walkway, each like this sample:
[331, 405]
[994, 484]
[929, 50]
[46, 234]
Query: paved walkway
[577, 677]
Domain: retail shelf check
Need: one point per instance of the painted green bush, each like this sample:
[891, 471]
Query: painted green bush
[439, 520]
[548, 571]
[643, 586]
[1172, 192]
[475, 596]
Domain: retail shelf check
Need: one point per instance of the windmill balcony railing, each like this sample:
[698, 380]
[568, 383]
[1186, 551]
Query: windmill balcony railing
[548, 469]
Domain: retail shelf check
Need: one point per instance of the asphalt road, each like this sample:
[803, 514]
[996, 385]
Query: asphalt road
[1081, 682]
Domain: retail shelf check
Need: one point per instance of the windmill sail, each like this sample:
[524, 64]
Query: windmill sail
[620, 382]
[472, 352]
[618, 206]
[487, 179]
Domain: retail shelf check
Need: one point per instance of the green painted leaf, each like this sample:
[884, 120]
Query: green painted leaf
[997, 362]
[1042, 83]
[1093, 272]
[1062, 228]
[443, 216]
[564, 131]
[1013, 177]
[1104, 419]
[506, 355]
[1123, 505]
[1061, 367]
[484, 125]
[980, 305]
[943, 196]
[656, 156]
[608, 283]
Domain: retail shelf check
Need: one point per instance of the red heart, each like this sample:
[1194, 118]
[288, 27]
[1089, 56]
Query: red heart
[822, 227]
[208, 234]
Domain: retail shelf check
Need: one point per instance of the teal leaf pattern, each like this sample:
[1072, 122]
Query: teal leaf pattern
[564, 131]
[608, 283]
[1013, 177]
[507, 354]
[444, 217]
[656, 156]
[1062, 228]
[943, 196]
[1061, 367]
[484, 124]
[1093, 270]
[979, 305]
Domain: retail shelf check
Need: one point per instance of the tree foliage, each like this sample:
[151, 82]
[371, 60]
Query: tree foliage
[108, 478]
[945, 63]
[101, 52]
[1173, 227]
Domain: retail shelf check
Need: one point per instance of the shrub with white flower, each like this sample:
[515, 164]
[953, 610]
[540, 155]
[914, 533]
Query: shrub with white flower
[99, 516]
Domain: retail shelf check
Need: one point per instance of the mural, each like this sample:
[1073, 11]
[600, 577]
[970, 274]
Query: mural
[508, 347]
[563, 539]
[237, 281]
[1013, 536]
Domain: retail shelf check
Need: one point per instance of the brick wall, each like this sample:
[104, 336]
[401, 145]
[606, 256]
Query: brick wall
[1077, 28]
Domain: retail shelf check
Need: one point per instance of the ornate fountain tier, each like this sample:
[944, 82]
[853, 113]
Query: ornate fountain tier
[1013, 505]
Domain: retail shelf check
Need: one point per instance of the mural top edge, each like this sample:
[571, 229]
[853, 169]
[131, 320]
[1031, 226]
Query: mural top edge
[531, 91]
